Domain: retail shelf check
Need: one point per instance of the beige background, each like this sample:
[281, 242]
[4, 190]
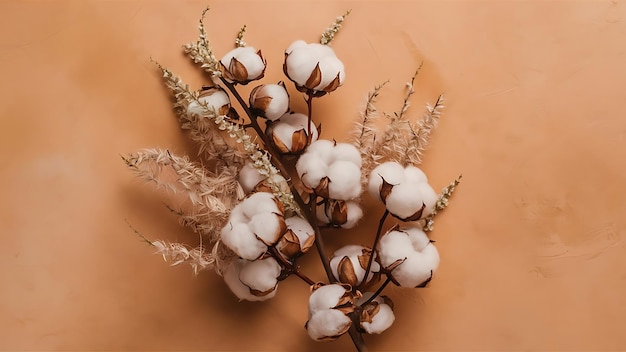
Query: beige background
[532, 246]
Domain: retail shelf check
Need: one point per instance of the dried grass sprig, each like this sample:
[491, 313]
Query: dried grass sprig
[201, 51]
[239, 42]
[441, 204]
[211, 195]
[394, 141]
[333, 29]
[364, 133]
[177, 253]
[421, 131]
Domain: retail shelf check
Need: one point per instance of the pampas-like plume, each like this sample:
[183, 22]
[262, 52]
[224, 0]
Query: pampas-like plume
[420, 133]
[364, 133]
[210, 143]
[394, 141]
[212, 196]
[178, 253]
[441, 204]
[201, 52]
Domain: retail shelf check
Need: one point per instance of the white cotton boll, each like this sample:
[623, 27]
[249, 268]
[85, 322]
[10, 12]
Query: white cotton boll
[330, 66]
[323, 148]
[296, 44]
[417, 268]
[345, 180]
[325, 297]
[391, 172]
[327, 324]
[216, 99]
[429, 197]
[421, 256]
[404, 200]
[414, 175]
[352, 252]
[311, 169]
[284, 128]
[241, 240]
[249, 177]
[383, 319]
[279, 104]
[300, 63]
[231, 277]
[355, 213]
[249, 58]
[261, 275]
[259, 202]
[267, 227]
[347, 152]
[301, 228]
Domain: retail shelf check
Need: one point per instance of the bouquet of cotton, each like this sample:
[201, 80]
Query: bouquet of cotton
[267, 187]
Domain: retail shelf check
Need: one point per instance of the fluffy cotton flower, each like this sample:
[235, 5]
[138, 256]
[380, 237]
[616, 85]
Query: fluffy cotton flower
[332, 170]
[314, 68]
[270, 100]
[242, 65]
[349, 263]
[251, 180]
[339, 213]
[376, 316]
[253, 281]
[290, 134]
[298, 239]
[215, 98]
[329, 306]
[253, 225]
[405, 191]
[409, 255]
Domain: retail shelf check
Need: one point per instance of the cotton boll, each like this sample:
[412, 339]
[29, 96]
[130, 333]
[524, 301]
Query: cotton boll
[348, 264]
[260, 276]
[259, 202]
[270, 100]
[283, 130]
[405, 200]
[347, 152]
[298, 238]
[311, 169]
[414, 175]
[242, 64]
[296, 44]
[249, 177]
[355, 213]
[267, 227]
[418, 255]
[215, 99]
[345, 180]
[391, 172]
[301, 228]
[314, 68]
[429, 197]
[323, 148]
[241, 240]
[377, 316]
[328, 325]
[325, 297]
[231, 277]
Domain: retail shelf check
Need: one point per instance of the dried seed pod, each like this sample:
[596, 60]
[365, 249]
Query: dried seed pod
[253, 281]
[376, 316]
[348, 265]
[339, 213]
[409, 256]
[289, 134]
[314, 68]
[298, 238]
[329, 306]
[242, 65]
[270, 100]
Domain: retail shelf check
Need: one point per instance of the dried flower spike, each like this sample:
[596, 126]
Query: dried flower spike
[330, 32]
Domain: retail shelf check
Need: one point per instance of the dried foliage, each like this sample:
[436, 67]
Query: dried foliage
[201, 52]
[333, 29]
[441, 204]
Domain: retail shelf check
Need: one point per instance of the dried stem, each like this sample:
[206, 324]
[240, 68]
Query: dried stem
[291, 267]
[378, 291]
[376, 239]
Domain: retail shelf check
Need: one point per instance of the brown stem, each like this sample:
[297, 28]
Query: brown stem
[376, 239]
[309, 105]
[291, 267]
[319, 241]
[378, 292]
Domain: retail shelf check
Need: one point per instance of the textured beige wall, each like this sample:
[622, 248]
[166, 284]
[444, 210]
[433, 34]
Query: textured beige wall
[532, 246]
